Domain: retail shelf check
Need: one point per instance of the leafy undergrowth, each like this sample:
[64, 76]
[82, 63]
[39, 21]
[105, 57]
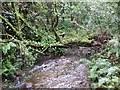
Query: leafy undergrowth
[104, 66]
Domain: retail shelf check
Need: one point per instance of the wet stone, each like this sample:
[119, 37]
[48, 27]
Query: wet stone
[65, 72]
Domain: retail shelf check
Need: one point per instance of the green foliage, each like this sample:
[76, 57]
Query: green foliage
[7, 68]
[28, 34]
[7, 47]
[103, 72]
[13, 59]
[114, 47]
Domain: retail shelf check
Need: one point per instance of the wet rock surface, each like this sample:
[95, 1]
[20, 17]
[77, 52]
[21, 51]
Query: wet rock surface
[64, 72]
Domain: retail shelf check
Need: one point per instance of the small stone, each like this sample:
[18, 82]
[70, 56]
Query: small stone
[28, 85]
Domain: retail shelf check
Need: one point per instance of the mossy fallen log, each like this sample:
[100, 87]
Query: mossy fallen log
[83, 43]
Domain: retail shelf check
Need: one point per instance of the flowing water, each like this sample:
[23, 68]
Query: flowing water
[63, 72]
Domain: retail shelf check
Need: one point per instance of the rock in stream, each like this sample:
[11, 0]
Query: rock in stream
[63, 72]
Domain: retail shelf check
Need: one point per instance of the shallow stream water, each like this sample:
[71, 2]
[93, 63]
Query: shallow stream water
[63, 72]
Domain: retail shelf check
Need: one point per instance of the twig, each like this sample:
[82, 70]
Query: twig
[6, 35]
[79, 25]
[37, 51]
[44, 49]
[14, 29]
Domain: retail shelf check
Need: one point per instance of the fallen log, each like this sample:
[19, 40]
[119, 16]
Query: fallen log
[65, 45]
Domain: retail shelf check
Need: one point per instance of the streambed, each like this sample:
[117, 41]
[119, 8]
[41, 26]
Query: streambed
[63, 72]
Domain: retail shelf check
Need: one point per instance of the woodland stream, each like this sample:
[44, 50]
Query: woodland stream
[62, 72]
[47, 45]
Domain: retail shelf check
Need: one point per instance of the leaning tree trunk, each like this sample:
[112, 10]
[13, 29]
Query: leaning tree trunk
[53, 21]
